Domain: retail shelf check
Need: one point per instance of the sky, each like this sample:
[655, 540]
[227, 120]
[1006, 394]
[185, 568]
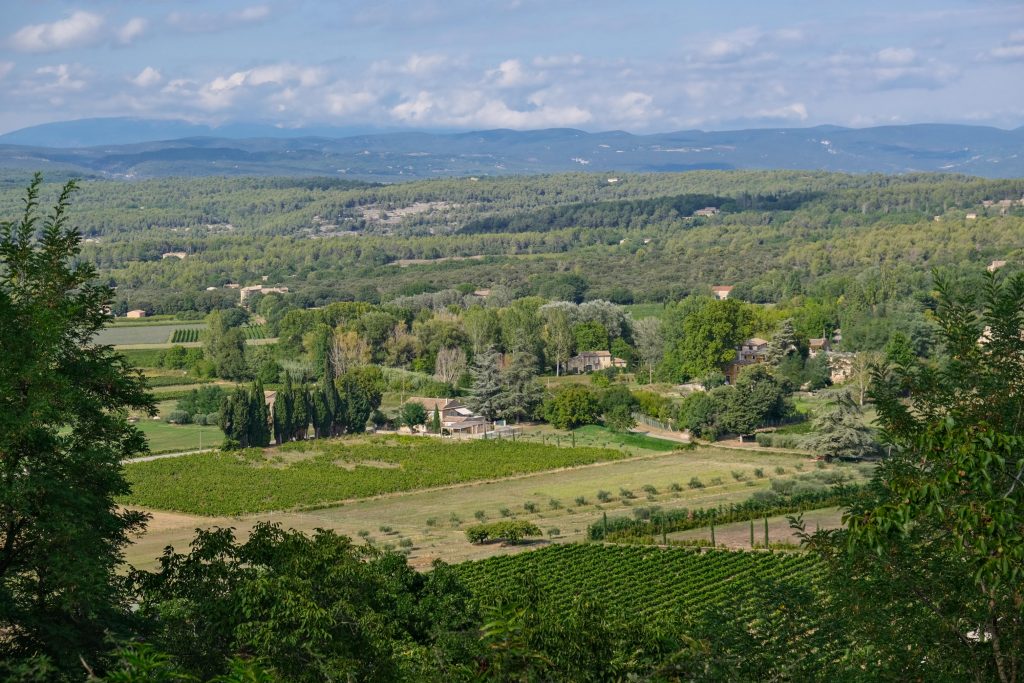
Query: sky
[637, 65]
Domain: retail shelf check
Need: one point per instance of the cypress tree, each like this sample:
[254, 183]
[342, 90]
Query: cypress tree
[435, 421]
[286, 401]
[260, 427]
[300, 413]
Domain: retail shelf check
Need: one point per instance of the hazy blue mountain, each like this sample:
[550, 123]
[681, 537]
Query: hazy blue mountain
[392, 156]
[127, 130]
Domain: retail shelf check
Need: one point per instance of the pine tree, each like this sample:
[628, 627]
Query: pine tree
[840, 429]
[782, 344]
[487, 385]
[522, 393]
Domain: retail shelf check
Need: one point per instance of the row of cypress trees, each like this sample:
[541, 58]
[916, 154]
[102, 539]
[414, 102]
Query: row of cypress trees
[332, 406]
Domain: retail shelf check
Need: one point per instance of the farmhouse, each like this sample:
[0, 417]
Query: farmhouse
[246, 292]
[721, 292]
[816, 346]
[591, 361]
[752, 351]
[995, 265]
[456, 418]
[137, 313]
[173, 254]
[707, 212]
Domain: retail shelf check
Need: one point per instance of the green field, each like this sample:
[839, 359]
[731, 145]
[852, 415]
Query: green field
[118, 335]
[600, 437]
[165, 437]
[320, 473]
[637, 583]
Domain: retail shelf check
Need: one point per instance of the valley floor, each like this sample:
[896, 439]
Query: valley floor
[431, 523]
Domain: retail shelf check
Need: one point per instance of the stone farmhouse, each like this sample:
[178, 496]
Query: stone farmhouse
[592, 361]
[750, 352]
[456, 418]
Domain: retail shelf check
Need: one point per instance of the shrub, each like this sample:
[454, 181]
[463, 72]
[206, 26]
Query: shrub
[717, 481]
[454, 520]
[363, 533]
[783, 487]
[199, 419]
[405, 543]
[676, 487]
[385, 529]
[738, 475]
[480, 515]
[554, 531]
[696, 483]
[650, 489]
[530, 507]
[581, 500]
[554, 504]
[179, 417]
[626, 493]
[780, 470]
[505, 512]
[432, 521]
[604, 496]
[510, 531]
[759, 472]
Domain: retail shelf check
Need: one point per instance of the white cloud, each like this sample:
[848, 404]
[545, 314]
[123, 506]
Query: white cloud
[510, 74]
[345, 104]
[471, 108]
[632, 108]
[78, 29]
[147, 78]
[732, 46]
[132, 29]
[1011, 50]
[65, 77]
[209, 22]
[792, 112]
[896, 56]
[221, 92]
[5, 68]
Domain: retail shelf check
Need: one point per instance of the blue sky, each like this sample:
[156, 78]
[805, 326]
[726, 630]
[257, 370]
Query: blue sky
[640, 65]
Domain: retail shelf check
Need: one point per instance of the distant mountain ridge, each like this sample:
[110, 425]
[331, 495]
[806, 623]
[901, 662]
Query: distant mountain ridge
[256, 149]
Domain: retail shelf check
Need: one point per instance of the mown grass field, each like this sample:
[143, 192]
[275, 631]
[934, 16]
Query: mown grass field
[164, 438]
[127, 335]
[598, 437]
[310, 473]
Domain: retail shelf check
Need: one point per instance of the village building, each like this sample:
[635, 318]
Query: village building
[592, 361]
[456, 418]
[721, 292]
[707, 212]
[750, 352]
[137, 313]
[971, 216]
[816, 346]
[995, 265]
[173, 254]
[246, 292]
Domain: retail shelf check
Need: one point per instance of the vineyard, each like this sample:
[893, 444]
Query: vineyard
[255, 331]
[321, 473]
[640, 582]
[185, 335]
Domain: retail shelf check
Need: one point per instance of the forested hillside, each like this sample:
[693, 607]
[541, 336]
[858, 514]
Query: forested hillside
[777, 235]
